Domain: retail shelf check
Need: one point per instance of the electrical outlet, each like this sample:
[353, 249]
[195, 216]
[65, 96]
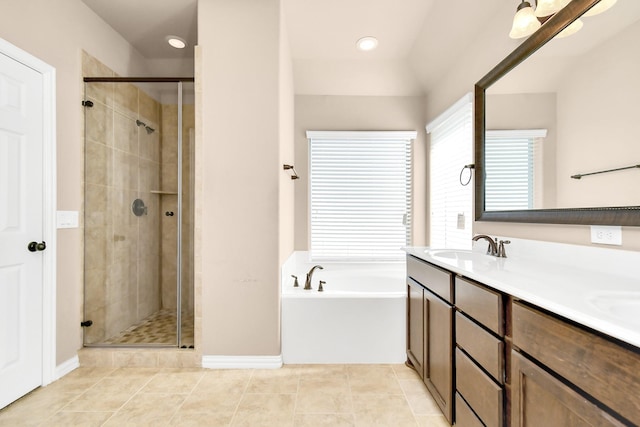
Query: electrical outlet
[606, 235]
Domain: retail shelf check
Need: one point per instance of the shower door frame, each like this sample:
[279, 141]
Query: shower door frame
[179, 81]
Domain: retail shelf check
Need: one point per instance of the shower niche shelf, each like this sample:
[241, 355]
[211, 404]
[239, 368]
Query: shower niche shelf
[169, 193]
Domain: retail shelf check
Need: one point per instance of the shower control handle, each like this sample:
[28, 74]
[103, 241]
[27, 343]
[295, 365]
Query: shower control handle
[169, 213]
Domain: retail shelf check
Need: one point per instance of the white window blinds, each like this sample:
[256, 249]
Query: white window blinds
[511, 159]
[451, 136]
[360, 195]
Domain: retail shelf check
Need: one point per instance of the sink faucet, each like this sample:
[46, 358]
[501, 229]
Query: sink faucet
[307, 282]
[493, 244]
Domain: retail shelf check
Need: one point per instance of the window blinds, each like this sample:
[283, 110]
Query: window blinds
[360, 191]
[511, 158]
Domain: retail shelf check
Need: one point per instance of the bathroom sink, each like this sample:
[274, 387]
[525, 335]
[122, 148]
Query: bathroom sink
[458, 255]
[624, 306]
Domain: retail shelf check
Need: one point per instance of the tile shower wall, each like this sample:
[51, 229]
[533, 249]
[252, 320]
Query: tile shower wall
[124, 282]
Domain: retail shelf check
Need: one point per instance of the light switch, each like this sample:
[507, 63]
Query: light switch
[67, 219]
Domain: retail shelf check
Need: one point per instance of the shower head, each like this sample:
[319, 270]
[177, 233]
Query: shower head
[150, 130]
[139, 123]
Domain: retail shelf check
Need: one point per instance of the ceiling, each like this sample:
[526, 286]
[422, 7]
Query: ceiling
[323, 32]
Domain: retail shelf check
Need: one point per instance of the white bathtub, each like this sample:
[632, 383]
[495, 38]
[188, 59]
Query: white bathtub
[359, 318]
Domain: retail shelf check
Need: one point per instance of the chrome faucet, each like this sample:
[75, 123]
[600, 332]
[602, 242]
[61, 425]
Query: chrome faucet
[307, 282]
[492, 249]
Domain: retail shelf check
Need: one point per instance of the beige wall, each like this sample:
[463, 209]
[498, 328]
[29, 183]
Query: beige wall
[244, 112]
[489, 48]
[57, 32]
[358, 113]
[598, 124]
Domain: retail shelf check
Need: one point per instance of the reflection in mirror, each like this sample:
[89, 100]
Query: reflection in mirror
[573, 107]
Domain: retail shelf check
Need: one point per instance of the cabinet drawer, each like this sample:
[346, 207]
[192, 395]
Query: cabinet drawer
[480, 303]
[479, 390]
[464, 415]
[431, 277]
[486, 349]
[607, 371]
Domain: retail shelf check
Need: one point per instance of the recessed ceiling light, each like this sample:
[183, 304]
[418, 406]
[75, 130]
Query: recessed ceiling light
[367, 43]
[177, 42]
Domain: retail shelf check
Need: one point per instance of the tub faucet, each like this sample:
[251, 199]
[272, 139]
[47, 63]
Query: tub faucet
[493, 245]
[307, 282]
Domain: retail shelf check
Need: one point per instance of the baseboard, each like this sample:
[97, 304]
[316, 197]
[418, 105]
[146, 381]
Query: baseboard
[242, 362]
[65, 367]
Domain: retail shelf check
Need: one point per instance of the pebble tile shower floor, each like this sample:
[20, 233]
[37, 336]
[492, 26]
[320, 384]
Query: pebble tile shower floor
[159, 328]
[295, 395]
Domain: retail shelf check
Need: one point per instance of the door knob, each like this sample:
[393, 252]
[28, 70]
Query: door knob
[35, 246]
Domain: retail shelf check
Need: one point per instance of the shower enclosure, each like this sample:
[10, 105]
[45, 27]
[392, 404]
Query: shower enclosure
[138, 212]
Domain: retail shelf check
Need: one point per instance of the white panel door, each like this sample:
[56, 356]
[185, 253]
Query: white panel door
[21, 222]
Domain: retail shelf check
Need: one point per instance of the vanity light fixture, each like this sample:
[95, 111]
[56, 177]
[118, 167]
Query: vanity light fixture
[367, 44]
[528, 18]
[176, 42]
[549, 7]
[573, 28]
[525, 22]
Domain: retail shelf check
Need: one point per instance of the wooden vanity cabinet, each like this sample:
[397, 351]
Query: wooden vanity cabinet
[565, 374]
[436, 364]
[415, 325]
[480, 356]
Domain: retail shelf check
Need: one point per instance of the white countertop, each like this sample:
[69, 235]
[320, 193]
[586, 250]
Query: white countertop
[596, 287]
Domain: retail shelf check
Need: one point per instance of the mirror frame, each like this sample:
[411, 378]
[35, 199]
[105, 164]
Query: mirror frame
[623, 215]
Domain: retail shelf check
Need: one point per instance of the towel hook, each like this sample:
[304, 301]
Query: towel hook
[295, 174]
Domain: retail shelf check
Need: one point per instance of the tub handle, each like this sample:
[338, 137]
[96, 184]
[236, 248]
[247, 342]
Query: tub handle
[320, 288]
[295, 281]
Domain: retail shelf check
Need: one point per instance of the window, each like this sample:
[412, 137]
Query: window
[511, 160]
[450, 202]
[360, 195]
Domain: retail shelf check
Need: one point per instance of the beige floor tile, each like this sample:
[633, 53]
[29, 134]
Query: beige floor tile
[216, 402]
[216, 381]
[173, 381]
[265, 410]
[375, 384]
[133, 372]
[274, 381]
[318, 420]
[322, 371]
[96, 400]
[147, 409]
[324, 385]
[323, 403]
[405, 372]
[422, 403]
[432, 421]
[200, 420]
[77, 419]
[372, 406]
[34, 407]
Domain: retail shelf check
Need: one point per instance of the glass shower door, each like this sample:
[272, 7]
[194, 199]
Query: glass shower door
[132, 213]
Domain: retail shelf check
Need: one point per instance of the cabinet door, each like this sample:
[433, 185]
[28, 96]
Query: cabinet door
[415, 326]
[439, 352]
[539, 399]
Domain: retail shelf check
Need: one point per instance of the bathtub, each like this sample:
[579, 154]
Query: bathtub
[360, 317]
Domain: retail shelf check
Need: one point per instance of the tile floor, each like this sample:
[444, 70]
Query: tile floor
[295, 395]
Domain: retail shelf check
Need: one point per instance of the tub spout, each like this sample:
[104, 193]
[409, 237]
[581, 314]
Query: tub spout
[307, 282]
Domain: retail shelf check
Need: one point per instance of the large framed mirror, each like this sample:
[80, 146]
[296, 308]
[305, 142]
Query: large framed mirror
[557, 123]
